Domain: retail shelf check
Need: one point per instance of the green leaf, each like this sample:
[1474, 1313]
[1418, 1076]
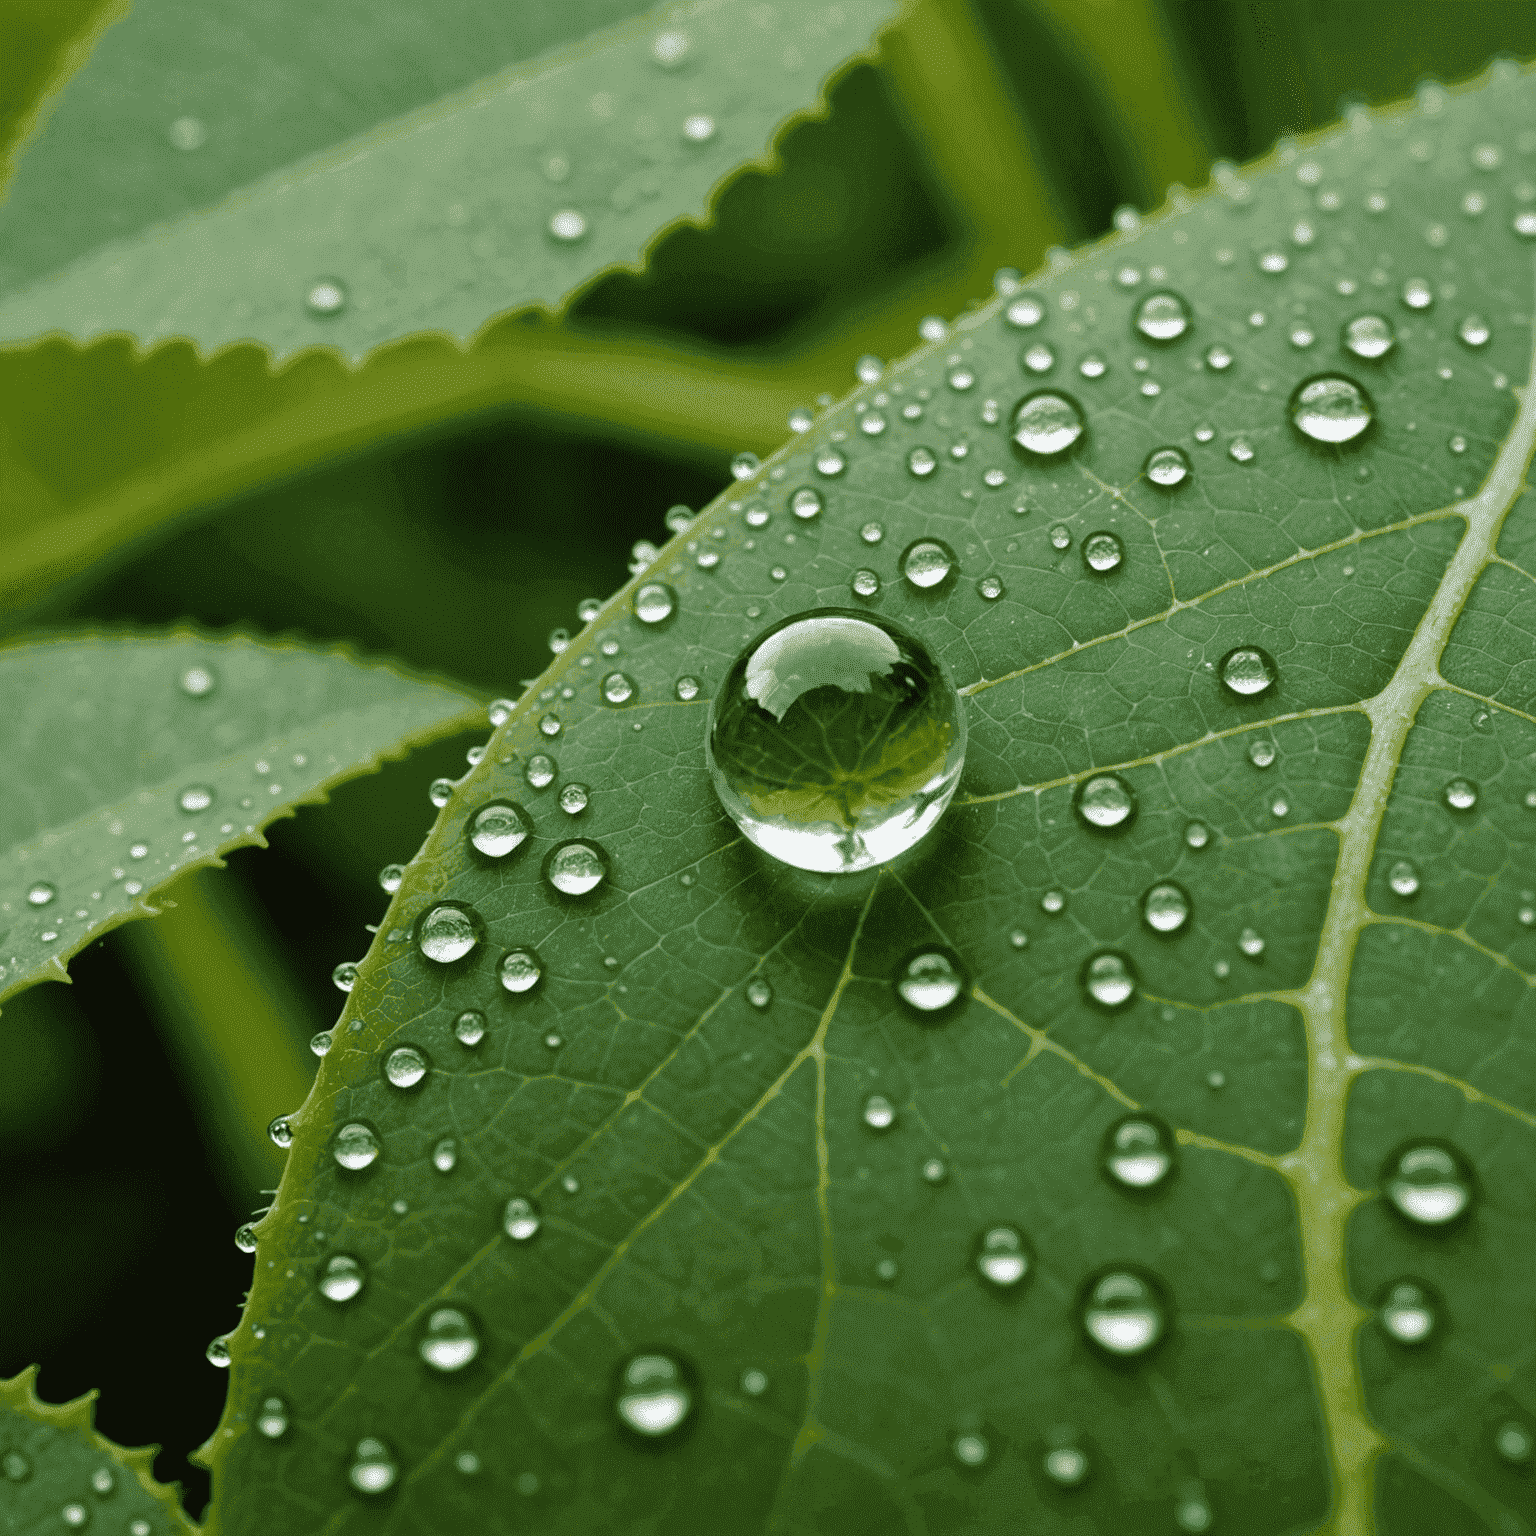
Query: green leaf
[144, 755]
[254, 190]
[61, 1475]
[710, 1186]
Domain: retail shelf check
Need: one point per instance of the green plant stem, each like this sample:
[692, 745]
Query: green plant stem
[215, 980]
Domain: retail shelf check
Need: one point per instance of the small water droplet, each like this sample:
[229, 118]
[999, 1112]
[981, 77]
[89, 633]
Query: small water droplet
[440, 792]
[1038, 358]
[1197, 834]
[342, 1277]
[805, 503]
[698, 128]
[745, 465]
[320, 1043]
[654, 1394]
[1102, 553]
[1368, 336]
[445, 1155]
[520, 1219]
[17, 1467]
[1066, 1465]
[567, 225]
[1251, 942]
[576, 868]
[1461, 794]
[1247, 671]
[1093, 366]
[1417, 294]
[40, 893]
[931, 981]
[1109, 979]
[961, 379]
[1403, 878]
[865, 583]
[970, 1448]
[830, 462]
[1025, 311]
[1104, 802]
[373, 1468]
[499, 828]
[934, 1171]
[280, 1132]
[927, 562]
[1165, 907]
[1218, 358]
[520, 971]
[405, 1066]
[869, 368]
[1167, 467]
[618, 688]
[991, 588]
[447, 932]
[1524, 224]
[272, 1419]
[1515, 1443]
[1053, 901]
[1408, 1311]
[801, 420]
[1331, 409]
[469, 1027]
[1162, 317]
[1261, 752]
[355, 1146]
[198, 682]
[1474, 331]
[921, 462]
[654, 602]
[391, 876]
[1061, 537]
[1123, 1312]
[574, 798]
[1240, 451]
[1138, 1152]
[754, 1382]
[1428, 1182]
[449, 1342]
[687, 689]
[1047, 423]
[1003, 1256]
[759, 993]
[879, 1112]
[245, 1238]
[218, 1354]
[326, 297]
[540, 773]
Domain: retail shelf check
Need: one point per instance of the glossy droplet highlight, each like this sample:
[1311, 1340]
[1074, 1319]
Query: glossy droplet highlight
[1123, 1312]
[654, 1394]
[1247, 671]
[1474, 331]
[40, 893]
[654, 602]
[568, 225]
[1138, 1152]
[1428, 1182]
[1368, 336]
[326, 297]
[1109, 979]
[1047, 423]
[926, 563]
[445, 1155]
[879, 1112]
[1331, 409]
[922, 462]
[759, 993]
[1104, 802]
[1461, 794]
[449, 1341]
[469, 1027]
[1102, 553]
[498, 829]
[520, 971]
[272, 1419]
[1003, 1257]
[1403, 878]
[836, 740]
[1162, 317]
[1167, 467]
[195, 798]
[373, 1468]
[576, 868]
[1408, 1311]
[217, 1354]
[931, 980]
[280, 1132]
[447, 932]
[355, 1147]
[405, 1067]
[1165, 907]
[520, 1220]
[618, 688]
[540, 772]
[341, 1277]
[865, 583]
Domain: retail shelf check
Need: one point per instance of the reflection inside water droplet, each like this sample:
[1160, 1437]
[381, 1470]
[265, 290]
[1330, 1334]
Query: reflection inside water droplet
[1247, 671]
[1331, 409]
[1102, 553]
[1047, 423]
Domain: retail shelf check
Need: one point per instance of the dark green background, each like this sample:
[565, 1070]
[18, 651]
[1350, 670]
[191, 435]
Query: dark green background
[459, 554]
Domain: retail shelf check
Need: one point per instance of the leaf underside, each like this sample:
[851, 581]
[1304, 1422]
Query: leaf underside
[543, 145]
[144, 755]
[708, 1183]
[59, 1474]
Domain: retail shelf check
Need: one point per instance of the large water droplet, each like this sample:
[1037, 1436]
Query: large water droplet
[405, 1066]
[447, 932]
[1003, 1256]
[521, 1220]
[1109, 979]
[1367, 336]
[654, 1394]
[1247, 671]
[1428, 1182]
[1102, 552]
[1123, 1312]
[373, 1468]
[931, 980]
[1165, 907]
[1047, 423]
[655, 602]
[1167, 467]
[836, 740]
[1104, 802]
[449, 1341]
[355, 1146]
[1331, 409]
[341, 1277]
[576, 868]
[1461, 794]
[1408, 1311]
[1138, 1152]
[927, 562]
[1162, 316]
